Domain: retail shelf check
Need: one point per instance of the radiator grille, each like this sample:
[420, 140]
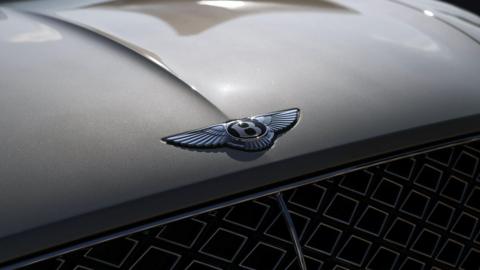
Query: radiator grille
[420, 212]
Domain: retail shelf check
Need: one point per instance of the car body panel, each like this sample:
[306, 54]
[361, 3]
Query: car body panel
[87, 93]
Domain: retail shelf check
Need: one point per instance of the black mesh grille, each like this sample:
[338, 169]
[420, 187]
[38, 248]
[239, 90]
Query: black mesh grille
[416, 213]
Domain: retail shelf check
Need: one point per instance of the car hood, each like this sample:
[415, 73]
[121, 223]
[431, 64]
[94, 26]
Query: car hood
[88, 90]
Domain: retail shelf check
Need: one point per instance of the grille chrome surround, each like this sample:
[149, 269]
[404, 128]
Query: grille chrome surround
[369, 222]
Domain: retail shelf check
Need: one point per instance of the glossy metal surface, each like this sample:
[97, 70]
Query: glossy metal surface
[462, 20]
[241, 199]
[88, 89]
[256, 133]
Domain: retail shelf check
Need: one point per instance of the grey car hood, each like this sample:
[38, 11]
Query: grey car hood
[88, 90]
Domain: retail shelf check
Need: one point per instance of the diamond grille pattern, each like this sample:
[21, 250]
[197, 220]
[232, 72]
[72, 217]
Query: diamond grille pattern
[415, 213]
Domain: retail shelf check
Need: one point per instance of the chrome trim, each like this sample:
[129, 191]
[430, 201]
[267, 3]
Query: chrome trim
[292, 230]
[162, 221]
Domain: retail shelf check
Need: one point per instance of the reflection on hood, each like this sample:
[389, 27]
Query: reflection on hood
[205, 14]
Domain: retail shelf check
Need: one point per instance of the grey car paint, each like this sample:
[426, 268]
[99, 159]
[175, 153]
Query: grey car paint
[88, 89]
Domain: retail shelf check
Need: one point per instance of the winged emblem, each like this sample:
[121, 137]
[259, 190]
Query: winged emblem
[254, 133]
